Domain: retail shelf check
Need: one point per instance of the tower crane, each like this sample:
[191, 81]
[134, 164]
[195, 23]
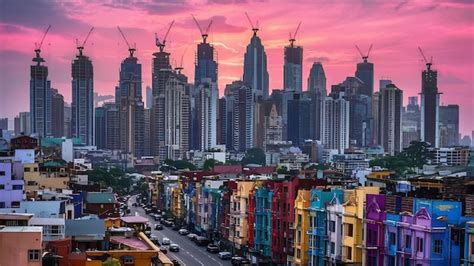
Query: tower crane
[293, 37]
[161, 44]
[180, 67]
[205, 33]
[81, 47]
[366, 56]
[131, 49]
[428, 63]
[38, 46]
[254, 28]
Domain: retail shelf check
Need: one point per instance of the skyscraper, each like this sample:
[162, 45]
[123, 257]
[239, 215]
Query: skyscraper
[240, 109]
[293, 68]
[82, 123]
[317, 79]
[375, 111]
[430, 106]
[57, 116]
[255, 66]
[40, 98]
[390, 119]
[335, 122]
[365, 72]
[449, 122]
[130, 105]
[300, 124]
[149, 97]
[107, 133]
[411, 122]
[25, 124]
[206, 107]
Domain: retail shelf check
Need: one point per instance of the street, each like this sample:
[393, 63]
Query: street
[189, 253]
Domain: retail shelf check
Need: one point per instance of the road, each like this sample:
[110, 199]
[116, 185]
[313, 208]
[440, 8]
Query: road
[189, 254]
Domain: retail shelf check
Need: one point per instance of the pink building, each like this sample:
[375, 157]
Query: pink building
[21, 245]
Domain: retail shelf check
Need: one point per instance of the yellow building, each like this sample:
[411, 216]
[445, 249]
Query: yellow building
[352, 223]
[238, 213]
[302, 203]
[177, 201]
[49, 175]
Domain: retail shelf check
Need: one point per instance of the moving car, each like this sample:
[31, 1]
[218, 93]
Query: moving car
[239, 261]
[164, 250]
[165, 241]
[183, 231]
[211, 248]
[224, 255]
[202, 241]
[158, 227]
[174, 248]
[192, 237]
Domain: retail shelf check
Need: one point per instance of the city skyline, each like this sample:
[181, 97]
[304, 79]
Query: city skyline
[325, 39]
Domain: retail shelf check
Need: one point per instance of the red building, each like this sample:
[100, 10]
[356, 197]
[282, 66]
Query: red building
[104, 204]
[24, 142]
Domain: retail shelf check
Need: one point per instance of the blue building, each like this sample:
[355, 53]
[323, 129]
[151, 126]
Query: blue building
[40, 98]
[300, 122]
[317, 223]
[263, 222]
[255, 66]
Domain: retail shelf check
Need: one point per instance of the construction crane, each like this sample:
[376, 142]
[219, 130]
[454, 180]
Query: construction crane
[366, 56]
[81, 47]
[131, 50]
[428, 63]
[38, 58]
[180, 67]
[205, 33]
[161, 44]
[293, 38]
[254, 28]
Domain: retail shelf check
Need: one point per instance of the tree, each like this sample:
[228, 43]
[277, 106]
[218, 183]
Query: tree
[254, 156]
[209, 164]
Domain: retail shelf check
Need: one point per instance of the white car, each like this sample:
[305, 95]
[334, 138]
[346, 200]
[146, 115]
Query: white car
[165, 241]
[183, 232]
[224, 255]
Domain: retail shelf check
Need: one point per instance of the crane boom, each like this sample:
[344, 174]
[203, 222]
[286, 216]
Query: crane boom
[167, 32]
[204, 34]
[428, 63]
[87, 37]
[208, 27]
[44, 36]
[297, 29]
[123, 36]
[360, 52]
[293, 37]
[197, 24]
[254, 27]
[370, 49]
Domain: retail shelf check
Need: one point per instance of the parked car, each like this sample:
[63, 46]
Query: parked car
[158, 227]
[165, 241]
[183, 231]
[164, 250]
[176, 227]
[148, 231]
[174, 248]
[192, 237]
[224, 255]
[167, 223]
[202, 241]
[239, 261]
[211, 248]
[175, 263]
[154, 239]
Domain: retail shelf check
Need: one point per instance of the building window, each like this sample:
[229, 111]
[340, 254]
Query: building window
[298, 253]
[391, 261]
[2, 186]
[127, 260]
[350, 229]
[298, 237]
[407, 241]
[332, 226]
[299, 219]
[33, 255]
[2, 204]
[15, 204]
[391, 238]
[419, 244]
[438, 246]
[27, 169]
[2, 173]
[349, 253]
[333, 248]
[17, 187]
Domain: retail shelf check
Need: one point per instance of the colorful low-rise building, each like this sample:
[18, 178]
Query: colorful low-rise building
[21, 245]
[375, 215]
[301, 223]
[238, 215]
[11, 184]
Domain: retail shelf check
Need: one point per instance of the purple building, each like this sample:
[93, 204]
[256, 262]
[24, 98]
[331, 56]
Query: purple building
[375, 233]
[11, 184]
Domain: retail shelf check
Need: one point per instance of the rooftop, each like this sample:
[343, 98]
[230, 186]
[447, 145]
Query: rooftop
[134, 219]
[100, 197]
[19, 229]
[132, 242]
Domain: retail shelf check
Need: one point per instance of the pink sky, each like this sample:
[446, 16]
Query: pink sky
[329, 31]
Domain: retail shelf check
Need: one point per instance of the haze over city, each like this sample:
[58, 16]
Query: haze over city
[328, 33]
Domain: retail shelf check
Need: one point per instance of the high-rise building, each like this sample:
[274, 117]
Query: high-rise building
[293, 68]
[25, 124]
[449, 125]
[300, 122]
[268, 124]
[206, 111]
[40, 97]
[67, 120]
[365, 72]
[430, 106]
[255, 66]
[100, 128]
[335, 122]
[130, 105]
[107, 133]
[149, 97]
[375, 110]
[4, 123]
[222, 122]
[390, 119]
[57, 116]
[161, 71]
[146, 132]
[240, 109]
[177, 105]
[82, 122]
[16, 125]
[411, 122]
[317, 79]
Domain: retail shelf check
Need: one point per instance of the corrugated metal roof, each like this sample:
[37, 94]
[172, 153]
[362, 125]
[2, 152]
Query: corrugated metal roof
[85, 227]
[100, 197]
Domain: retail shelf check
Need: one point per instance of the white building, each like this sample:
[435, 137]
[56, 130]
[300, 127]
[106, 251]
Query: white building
[207, 113]
[335, 123]
[390, 119]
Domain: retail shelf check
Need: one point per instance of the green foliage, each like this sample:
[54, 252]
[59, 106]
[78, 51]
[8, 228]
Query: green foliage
[282, 170]
[180, 164]
[412, 158]
[209, 164]
[254, 156]
[114, 178]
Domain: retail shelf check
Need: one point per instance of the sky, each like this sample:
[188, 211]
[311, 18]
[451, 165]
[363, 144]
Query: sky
[329, 32]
